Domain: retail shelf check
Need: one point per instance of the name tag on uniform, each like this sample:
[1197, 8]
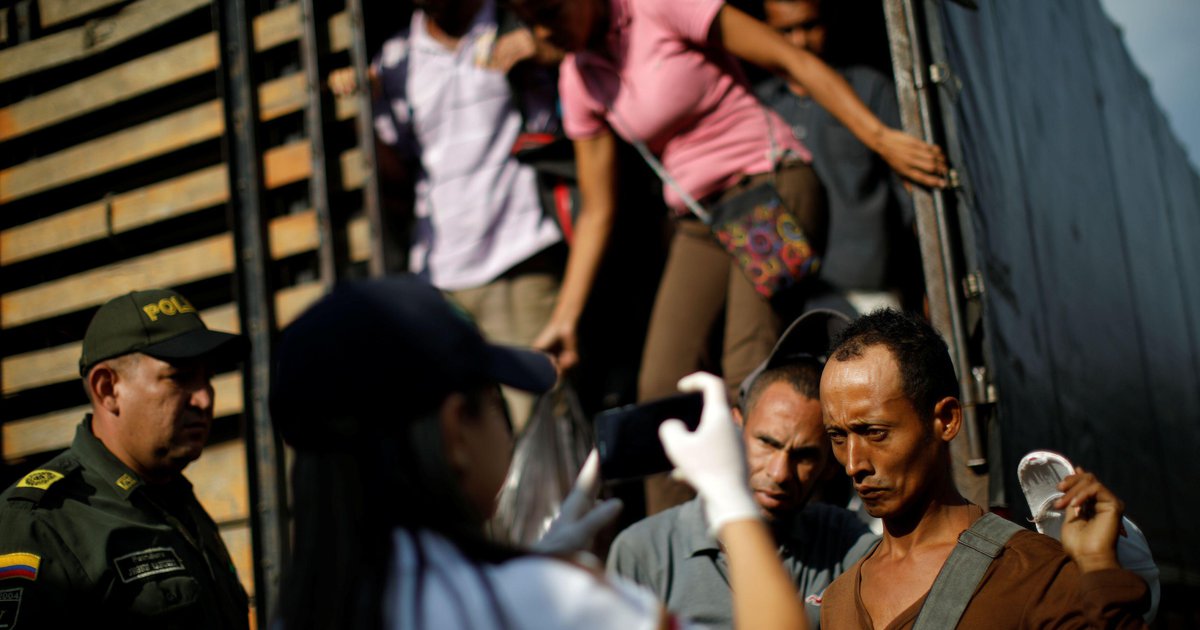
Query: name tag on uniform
[10, 605]
[147, 562]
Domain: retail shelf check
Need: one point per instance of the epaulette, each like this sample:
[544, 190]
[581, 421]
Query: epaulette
[34, 486]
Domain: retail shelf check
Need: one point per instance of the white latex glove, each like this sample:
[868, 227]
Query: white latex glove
[712, 458]
[580, 519]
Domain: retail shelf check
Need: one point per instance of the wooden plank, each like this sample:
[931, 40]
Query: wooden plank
[77, 43]
[190, 262]
[292, 301]
[359, 234]
[41, 434]
[58, 11]
[237, 541]
[39, 368]
[206, 258]
[61, 363]
[54, 431]
[141, 142]
[282, 26]
[219, 481]
[165, 200]
[354, 169]
[142, 75]
[294, 234]
[172, 198]
[110, 87]
[277, 27]
[339, 32]
[282, 96]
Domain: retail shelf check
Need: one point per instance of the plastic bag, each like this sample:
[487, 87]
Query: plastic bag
[547, 457]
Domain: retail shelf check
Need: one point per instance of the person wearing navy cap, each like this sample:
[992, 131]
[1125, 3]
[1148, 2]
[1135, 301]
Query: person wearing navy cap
[390, 397]
[109, 533]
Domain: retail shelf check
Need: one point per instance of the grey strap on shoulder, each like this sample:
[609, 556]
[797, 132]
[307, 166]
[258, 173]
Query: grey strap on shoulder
[959, 578]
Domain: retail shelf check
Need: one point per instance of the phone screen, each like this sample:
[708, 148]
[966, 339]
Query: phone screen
[627, 437]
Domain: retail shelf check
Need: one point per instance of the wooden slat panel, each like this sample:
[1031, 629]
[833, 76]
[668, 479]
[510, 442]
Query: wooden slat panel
[282, 26]
[43, 367]
[153, 71]
[339, 32]
[156, 70]
[61, 363]
[287, 164]
[282, 96]
[202, 259]
[237, 541]
[58, 11]
[291, 302]
[277, 27]
[219, 481]
[206, 258]
[175, 197]
[354, 169]
[359, 235]
[54, 431]
[76, 43]
[144, 141]
[294, 234]
[150, 139]
[41, 434]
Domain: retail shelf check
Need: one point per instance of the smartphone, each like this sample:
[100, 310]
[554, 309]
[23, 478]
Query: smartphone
[627, 437]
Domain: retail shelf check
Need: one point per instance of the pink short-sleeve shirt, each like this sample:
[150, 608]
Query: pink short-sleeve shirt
[687, 100]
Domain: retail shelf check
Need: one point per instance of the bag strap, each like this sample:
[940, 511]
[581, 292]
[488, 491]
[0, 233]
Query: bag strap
[956, 582]
[662, 173]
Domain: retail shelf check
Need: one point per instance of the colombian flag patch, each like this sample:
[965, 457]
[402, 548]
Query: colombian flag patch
[19, 565]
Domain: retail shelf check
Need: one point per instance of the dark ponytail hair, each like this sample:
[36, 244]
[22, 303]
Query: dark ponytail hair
[349, 496]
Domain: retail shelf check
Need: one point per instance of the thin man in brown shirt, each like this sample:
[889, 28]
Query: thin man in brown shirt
[890, 402]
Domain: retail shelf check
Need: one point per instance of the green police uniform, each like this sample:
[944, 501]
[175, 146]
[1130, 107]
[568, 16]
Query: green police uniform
[84, 542]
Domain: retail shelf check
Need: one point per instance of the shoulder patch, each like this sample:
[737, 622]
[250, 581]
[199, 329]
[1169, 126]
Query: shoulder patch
[40, 479]
[19, 565]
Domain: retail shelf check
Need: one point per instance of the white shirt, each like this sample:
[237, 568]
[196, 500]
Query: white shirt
[477, 207]
[532, 592]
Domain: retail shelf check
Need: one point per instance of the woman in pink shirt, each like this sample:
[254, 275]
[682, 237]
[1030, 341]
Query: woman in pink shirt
[664, 72]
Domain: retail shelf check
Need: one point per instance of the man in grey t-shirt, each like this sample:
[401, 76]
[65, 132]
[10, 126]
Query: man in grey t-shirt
[673, 552]
[871, 258]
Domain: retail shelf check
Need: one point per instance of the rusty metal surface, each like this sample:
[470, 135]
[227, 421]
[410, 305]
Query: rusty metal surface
[1086, 214]
[937, 234]
[247, 212]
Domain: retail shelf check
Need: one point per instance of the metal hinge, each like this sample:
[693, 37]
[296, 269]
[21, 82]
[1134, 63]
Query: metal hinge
[985, 391]
[939, 73]
[973, 285]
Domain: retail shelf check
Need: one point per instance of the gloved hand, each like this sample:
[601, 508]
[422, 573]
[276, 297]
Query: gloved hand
[712, 458]
[580, 519]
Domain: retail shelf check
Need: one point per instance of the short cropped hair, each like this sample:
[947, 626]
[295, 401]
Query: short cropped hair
[803, 376]
[926, 372]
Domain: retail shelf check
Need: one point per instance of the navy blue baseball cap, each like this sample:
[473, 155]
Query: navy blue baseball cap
[383, 350]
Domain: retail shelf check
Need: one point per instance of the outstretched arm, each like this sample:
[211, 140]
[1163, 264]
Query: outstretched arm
[755, 42]
[595, 160]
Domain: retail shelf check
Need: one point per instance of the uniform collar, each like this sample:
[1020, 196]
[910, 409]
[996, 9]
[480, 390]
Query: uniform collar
[95, 456]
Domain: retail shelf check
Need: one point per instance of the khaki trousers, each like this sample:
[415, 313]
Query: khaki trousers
[512, 310]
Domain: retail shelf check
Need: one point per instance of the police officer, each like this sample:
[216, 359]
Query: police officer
[109, 533]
